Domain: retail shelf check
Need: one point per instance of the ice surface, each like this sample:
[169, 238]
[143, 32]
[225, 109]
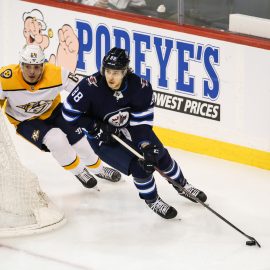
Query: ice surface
[113, 229]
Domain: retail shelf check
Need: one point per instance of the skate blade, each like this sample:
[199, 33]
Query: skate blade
[96, 188]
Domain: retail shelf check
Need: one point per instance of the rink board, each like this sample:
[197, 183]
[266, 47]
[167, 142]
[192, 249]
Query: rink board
[211, 88]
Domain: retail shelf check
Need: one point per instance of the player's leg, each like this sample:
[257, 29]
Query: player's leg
[171, 168]
[93, 162]
[120, 158]
[114, 155]
[48, 138]
[146, 186]
[83, 149]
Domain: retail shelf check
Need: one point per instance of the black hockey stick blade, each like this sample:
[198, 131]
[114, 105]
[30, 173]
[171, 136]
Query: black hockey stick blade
[252, 242]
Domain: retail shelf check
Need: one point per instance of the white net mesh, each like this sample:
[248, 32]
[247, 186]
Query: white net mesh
[24, 208]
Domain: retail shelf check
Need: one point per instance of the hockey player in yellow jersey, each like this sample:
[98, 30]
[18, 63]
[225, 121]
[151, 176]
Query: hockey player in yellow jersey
[30, 96]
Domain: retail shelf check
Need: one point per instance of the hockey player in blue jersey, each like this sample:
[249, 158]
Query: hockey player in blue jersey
[116, 101]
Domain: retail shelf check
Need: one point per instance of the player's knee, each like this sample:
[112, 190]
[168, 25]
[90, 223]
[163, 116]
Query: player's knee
[55, 139]
[165, 160]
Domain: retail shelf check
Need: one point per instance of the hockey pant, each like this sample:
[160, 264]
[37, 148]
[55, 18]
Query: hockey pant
[123, 160]
[67, 143]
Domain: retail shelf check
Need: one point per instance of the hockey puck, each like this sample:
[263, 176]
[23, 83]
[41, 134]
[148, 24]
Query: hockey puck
[251, 243]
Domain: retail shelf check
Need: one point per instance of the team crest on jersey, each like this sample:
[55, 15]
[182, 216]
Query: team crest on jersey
[36, 107]
[6, 74]
[92, 80]
[119, 119]
[79, 130]
[144, 82]
[35, 135]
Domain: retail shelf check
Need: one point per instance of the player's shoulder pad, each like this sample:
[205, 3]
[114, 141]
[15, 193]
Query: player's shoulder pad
[51, 67]
[7, 72]
[139, 81]
[52, 75]
[52, 71]
[144, 83]
[94, 79]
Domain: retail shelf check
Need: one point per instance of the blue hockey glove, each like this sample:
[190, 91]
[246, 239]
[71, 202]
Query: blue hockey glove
[150, 154]
[103, 132]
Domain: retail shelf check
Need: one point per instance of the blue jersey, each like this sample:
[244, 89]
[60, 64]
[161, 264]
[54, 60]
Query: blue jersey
[131, 108]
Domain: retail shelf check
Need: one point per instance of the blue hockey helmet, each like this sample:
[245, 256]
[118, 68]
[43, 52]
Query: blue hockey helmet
[117, 59]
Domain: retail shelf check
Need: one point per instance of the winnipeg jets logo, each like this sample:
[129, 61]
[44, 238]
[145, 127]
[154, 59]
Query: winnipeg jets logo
[92, 80]
[144, 82]
[119, 119]
[36, 107]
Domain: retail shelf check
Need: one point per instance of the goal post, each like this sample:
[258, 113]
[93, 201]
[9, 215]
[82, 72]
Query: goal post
[24, 207]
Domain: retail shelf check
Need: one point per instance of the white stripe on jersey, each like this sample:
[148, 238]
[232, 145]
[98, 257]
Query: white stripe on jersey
[69, 107]
[136, 123]
[144, 113]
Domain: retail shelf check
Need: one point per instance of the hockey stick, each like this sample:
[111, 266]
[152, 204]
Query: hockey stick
[251, 242]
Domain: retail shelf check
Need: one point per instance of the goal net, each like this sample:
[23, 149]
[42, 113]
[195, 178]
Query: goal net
[24, 208]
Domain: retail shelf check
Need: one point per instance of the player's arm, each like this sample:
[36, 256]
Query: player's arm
[142, 114]
[77, 104]
[70, 80]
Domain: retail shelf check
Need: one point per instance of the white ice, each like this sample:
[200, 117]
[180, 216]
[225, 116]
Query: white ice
[113, 229]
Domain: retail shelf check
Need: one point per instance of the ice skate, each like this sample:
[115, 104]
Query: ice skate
[194, 191]
[88, 180]
[109, 174]
[162, 209]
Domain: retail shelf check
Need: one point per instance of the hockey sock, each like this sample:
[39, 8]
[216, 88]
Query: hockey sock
[170, 167]
[75, 167]
[56, 141]
[96, 168]
[146, 187]
[88, 156]
[175, 173]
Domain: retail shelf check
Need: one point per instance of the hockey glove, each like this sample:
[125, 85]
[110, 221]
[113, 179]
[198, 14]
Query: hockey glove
[150, 154]
[103, 132]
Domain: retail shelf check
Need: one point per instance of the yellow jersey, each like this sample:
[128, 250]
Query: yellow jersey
[23, 101]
